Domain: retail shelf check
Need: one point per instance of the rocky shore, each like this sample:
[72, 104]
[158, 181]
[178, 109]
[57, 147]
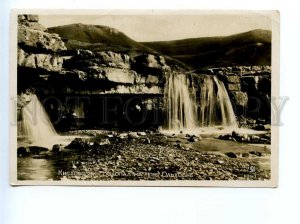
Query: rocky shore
[151, 156]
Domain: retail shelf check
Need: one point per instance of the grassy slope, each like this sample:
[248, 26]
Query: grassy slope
[241, 49]
[95, 37]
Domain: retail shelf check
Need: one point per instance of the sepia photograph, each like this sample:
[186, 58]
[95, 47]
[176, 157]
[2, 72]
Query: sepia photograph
[144, 98]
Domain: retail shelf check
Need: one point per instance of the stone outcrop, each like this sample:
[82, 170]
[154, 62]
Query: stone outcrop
[37, 49]
[28, 37]
[46, 62]
[121, 72]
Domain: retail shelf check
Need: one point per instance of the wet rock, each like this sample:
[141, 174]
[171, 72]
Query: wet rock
[194, 138]
[22, 151]
[37, 149]
[225, 137]
[77, 143]
[256, 153]
[237, 136]
[231, 154]
[57, 148]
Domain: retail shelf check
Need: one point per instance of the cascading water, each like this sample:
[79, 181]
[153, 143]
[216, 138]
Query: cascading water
[35, 126]
[179, 103]
[201, 101]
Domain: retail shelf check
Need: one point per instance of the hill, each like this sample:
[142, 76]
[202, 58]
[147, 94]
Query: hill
[249, 48]
[96, 37]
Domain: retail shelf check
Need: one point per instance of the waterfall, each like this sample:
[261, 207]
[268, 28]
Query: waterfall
[198, 101]
[179, 103]
[35, 125]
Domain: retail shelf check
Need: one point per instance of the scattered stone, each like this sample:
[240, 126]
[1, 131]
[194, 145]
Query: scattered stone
[133, 135]
[231, 154]
[147, 141]
[194, 138]
[123, 135]
[104, 142]
[77, 143]
[267, 127]
[220, 161]
[178, 145]
[245, 155]
[258, 154]
[142, 133]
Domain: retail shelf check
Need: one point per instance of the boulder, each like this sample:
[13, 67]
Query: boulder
[151, 79]
[115, 60]
[22, 151]
[119, 75]
[77, 143]
[34, 150]
[39, 40]
[150, 61]
[233, 79]
[237, 136]
[231, 155]
[57, 148]
[239, 98]
[32, 18]
[233, 87]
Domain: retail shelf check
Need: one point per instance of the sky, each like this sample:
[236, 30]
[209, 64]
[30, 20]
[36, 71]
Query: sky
[168, 27]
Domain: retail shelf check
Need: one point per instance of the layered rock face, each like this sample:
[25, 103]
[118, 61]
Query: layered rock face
[107, 78]
[249, 88]
[83, 71]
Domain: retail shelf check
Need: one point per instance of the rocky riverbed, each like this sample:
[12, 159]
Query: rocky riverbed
[146, 156]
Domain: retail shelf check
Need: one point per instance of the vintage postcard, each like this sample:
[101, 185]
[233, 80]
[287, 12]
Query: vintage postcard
[144, 98]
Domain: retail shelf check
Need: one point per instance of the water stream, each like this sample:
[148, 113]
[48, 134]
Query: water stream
[199, 102]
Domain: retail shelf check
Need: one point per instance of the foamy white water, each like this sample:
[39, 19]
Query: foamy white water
[35, 126]
[208, 105]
